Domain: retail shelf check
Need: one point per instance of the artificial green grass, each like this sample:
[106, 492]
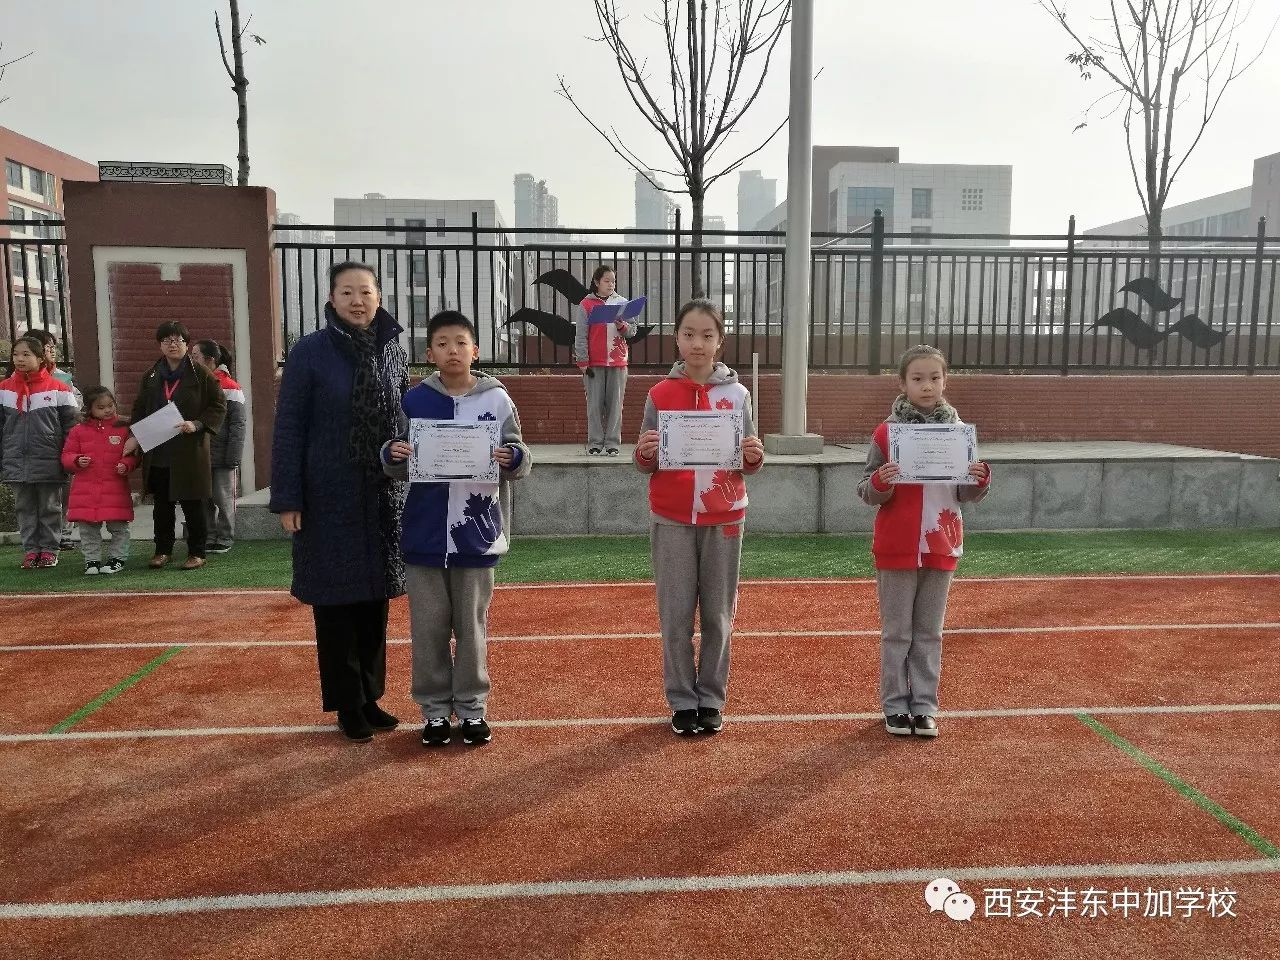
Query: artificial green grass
[541, 560]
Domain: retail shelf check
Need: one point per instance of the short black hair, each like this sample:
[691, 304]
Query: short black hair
[340, 268]
[93, 394]
[44, 336]
[172, 328]
[215, 351]
[450, 318]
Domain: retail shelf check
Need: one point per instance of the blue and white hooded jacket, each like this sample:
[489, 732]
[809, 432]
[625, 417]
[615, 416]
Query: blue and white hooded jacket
[460, 524]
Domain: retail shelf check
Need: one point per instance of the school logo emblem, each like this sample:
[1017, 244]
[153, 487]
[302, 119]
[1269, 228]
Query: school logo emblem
[115, 441]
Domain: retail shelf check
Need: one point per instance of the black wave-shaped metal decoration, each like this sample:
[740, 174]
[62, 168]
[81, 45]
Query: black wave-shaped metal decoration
[554, 327]
[1152, 294]
[1144, 336]
[564, 282]
[1198, 332]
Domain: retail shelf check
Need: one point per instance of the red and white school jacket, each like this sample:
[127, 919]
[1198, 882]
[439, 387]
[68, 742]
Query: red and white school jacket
[600, 344]
[698, 497]
[918, 524]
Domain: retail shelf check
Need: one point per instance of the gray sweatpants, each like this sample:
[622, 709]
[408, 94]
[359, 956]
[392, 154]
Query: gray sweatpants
[605, 389]
[91, 540]
[39, 510]
[221, 507]
[913, 604]
[696, 569]
[443, 602]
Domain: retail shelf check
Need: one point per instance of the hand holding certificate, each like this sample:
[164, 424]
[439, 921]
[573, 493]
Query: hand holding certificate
[159, 427]
[704, 439]
[453, 451]
[933, 453]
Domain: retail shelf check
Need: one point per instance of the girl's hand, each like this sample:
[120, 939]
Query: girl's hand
[399, 451]
[752, 450]
[122, 468]
[131, 446]
[291, 520]
[888, 473]
[979, 471]
[505, 457]
[82, 461]
[647, 445]
[186, 426]
[624, 328]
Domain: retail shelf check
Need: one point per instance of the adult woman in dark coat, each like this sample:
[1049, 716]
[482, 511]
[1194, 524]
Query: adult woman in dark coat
[177, 471]
[339, 402]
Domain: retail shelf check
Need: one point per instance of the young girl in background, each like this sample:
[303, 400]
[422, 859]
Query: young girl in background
[918, 539]
[696, 524]
[94, 455]
[36, 414]
[226, 447]
[601, 352]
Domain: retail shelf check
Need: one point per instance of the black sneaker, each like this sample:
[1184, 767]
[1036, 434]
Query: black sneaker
[924, 726]
[114, 565]
[612, 452]
[594, 451]
[354, 726]
[898, 724]
[685, 722]
[218, 548]
[91, 569]
[475, 731]
[378, 718]
[710, 720]
[436, 732]
[66, 543]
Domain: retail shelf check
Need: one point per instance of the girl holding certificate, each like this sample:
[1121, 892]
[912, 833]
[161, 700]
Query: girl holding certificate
[696, 519]
[600, 351]
[917, 542]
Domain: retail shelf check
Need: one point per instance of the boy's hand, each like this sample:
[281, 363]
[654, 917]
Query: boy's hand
[291, 520]
[400, 451]
[888, 473]
[979, 471]
[82, 461]
[122, 468]
[505, 457]
[647, 445]
[752, 450]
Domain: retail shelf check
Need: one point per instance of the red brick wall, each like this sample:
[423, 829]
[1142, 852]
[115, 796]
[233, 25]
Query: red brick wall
[1236, 413]
[141, 301]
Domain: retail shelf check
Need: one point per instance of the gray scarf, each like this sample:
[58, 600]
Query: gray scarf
[904, 412]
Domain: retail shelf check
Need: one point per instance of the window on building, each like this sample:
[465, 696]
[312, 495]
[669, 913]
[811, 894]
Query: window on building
[832, 214]
[863, 204]
[13, 173]
[418, 269]
[417, 309]
[971, 199]
[20, 315]
[36, 180]
[391, 226]
[440, 232]
[921, 203]
[415, 236]
[16, 212]
[17, 264]
[920, 236]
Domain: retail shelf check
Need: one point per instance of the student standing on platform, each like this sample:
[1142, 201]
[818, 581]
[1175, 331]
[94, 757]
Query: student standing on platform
[918, 539]
[601, 352]
[696, 524]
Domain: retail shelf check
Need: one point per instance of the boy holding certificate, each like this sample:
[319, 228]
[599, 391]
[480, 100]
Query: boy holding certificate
[917, 542]
[455, 524]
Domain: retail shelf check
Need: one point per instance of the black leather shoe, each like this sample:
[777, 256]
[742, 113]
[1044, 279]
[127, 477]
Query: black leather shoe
[354, 726]
[898, 724]
[924, 726]
[378, 718]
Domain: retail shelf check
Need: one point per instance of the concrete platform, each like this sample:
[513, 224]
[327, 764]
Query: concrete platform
[1038, 486]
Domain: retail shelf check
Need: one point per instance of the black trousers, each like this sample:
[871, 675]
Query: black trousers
[351, 646]
[165, 516]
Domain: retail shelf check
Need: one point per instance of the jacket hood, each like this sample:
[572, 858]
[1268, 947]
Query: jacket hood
[484, 381]
[720, 374]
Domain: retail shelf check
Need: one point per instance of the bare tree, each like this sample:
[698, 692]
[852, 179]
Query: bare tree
[719, 54]
[1167, 61]
[10, 63]
[239, 82]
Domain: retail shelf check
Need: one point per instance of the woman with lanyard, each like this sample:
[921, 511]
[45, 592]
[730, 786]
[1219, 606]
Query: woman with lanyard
[177, 471]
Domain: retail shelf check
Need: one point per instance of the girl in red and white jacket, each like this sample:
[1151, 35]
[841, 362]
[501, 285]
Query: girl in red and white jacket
[696, 524]
[918, 539]
[94, 455]
[600, 350]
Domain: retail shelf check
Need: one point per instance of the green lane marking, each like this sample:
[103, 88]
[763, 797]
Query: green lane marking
[1232, 823]
[103, 699]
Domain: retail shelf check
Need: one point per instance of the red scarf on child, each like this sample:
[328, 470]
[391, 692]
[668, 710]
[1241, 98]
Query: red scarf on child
[25, 384]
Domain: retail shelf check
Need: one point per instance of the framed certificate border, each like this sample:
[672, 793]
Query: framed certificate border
[670, 421]
[420, 431]
[964, 431]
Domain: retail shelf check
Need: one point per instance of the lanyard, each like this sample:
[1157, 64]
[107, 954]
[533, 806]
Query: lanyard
[170, 390]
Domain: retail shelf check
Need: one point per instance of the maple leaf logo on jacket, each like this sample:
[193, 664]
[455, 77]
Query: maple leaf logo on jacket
[945, 538]
[481, 526]
[619, 352]
[727, 488]
[724, 403]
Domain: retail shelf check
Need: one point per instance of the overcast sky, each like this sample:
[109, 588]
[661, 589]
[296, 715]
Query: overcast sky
[445, 99]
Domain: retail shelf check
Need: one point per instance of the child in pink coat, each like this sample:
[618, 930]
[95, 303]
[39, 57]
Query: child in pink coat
[94, 455]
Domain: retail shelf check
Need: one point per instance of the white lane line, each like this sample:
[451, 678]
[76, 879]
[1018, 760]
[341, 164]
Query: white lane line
[733, 718]
[628, 886]
[648, 584]
[755, 634]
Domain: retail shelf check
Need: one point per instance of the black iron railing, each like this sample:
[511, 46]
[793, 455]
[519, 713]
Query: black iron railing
[33, 272]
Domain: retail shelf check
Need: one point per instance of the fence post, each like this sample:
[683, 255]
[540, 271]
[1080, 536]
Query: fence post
[877, 293]
[1257, 293]
[1066, 306]
[676, 274]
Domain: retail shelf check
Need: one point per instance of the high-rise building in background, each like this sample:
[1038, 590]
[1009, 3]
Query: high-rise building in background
[33, 277]
[536, 206]
[655, 209]
[756, 198]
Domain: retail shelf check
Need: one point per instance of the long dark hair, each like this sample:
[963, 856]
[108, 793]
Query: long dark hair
[91, 396]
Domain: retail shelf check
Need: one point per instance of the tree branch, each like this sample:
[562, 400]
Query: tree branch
[222, 47]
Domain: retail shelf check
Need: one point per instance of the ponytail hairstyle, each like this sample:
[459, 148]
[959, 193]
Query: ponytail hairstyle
[216, 352]
[598, 273]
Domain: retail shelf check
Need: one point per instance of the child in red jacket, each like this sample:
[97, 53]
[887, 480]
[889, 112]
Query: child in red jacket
[94, 455]
[696, 526]
[918, 539]
[600, 351]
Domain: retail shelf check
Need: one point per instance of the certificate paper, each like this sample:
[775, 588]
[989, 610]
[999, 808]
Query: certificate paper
[690, 439]
[933, 453]
[453, 451]
[153, 430]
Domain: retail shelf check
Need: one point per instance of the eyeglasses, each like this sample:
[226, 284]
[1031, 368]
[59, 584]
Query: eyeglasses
[173, 341]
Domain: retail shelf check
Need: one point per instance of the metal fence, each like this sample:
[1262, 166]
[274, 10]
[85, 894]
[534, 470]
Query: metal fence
[33, 271]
